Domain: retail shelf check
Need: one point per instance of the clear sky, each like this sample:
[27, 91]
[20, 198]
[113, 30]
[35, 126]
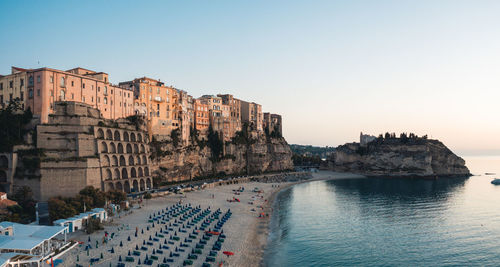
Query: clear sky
[331, 68]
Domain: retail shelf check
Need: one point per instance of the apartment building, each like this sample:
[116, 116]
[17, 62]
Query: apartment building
[251, 113]
[234, 104]
[201, 117]
[38, 89]
[157, 102]
[272, 122]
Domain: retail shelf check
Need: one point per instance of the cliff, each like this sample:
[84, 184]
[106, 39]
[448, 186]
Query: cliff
[399, 158]
[259, 155]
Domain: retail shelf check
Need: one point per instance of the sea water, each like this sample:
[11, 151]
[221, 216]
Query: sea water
[389, 222]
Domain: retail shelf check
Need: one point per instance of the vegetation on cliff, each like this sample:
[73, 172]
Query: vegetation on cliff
[13, 120]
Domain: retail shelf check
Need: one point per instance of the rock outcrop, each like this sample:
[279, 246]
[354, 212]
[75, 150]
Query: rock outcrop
[263, 154]
[399, 158]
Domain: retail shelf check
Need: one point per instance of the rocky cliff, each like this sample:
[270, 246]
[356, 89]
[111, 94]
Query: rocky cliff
[398, 157]
[262, 154]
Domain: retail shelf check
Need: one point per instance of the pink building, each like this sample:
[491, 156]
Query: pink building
[40, 88]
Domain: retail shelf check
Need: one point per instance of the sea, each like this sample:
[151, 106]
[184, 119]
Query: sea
[390, 222]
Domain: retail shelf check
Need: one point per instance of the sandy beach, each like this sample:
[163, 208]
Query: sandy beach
[246, 231]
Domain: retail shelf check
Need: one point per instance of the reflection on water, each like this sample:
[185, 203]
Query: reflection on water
[387, 222]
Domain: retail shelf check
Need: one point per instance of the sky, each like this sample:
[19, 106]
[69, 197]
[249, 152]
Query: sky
[332, 69]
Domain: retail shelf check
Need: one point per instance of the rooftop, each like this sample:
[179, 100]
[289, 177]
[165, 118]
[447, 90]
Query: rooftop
[27, 236]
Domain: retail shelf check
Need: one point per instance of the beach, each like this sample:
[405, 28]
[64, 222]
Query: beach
[246, 231]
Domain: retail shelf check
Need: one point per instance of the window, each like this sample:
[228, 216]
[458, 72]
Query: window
[62, 95]
[22, 96]
[92, 99]
[10, 97]
[105, 90]
[72, 96]
[51, 93]
[92, 87]
[30, 80]
[83, 85]
[83, 99]
[1, 86]
[38, 79]
[105, 100]
[1, 99]
[30, 93]
[22, 82]
[98, 100]
[11, 84]
[158, 90]
[72, 83]
[51, 79]
[98, 88]
[63, 82]
[38, 92]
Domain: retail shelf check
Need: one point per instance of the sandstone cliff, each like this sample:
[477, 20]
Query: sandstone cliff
[396, 157]
[262, 154]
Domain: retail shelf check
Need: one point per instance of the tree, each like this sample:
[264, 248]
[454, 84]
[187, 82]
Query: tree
[175, 137]
[215, 143]
[97, 197]
[116, 196]
[13, 120]
[59, 209]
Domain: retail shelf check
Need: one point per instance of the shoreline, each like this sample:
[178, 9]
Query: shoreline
[271, 204]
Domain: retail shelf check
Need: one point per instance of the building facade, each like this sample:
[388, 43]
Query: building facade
[39, 89]
[272, 123]
[251, 113]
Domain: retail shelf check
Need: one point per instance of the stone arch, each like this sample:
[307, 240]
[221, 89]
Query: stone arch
[112, 147]
[140, 173]
[142, 185]
[125, 136]
[117, 136]
[126, 187]
[100, 133]
[148, 183]
[129, 148]
[136, 148]
[114, 161]
[120, 148]
[3, 177]
[109, 134]
[105, 161]
[124, 173]
[131, 160]
[142, 149]
[146, 171]
[4, 162]
[104, 147]
[144, 160]
[122, 161]
[138, 161]
[135, 186]
[117, 174]
[111, 186]
[108, 175]
[132, 137]
[139, 137]
[119, 186]
[133, 173]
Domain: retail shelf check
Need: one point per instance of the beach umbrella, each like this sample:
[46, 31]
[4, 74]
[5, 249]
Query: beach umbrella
[128, 253]
[136, 247]
[89, 238]
[77, 257]
[128, 239]
[139, 261]
[164, 260]
[102, 256]
[147, 228]
[135, 234]
[228, 253]
[142, 231]
[121, 244]
[146, 258]
[120, 258]
[144, 242]
[112, 250]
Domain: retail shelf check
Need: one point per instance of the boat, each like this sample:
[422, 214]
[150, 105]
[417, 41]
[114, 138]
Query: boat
[496, 181]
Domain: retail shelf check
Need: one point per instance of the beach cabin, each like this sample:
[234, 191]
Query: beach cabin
[29, 239]
[18, 260]
[79, 221]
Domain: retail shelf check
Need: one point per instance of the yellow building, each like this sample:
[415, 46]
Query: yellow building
[251, 113]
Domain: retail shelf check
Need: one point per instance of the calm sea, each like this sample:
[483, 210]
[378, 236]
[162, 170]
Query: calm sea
[390, 222]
